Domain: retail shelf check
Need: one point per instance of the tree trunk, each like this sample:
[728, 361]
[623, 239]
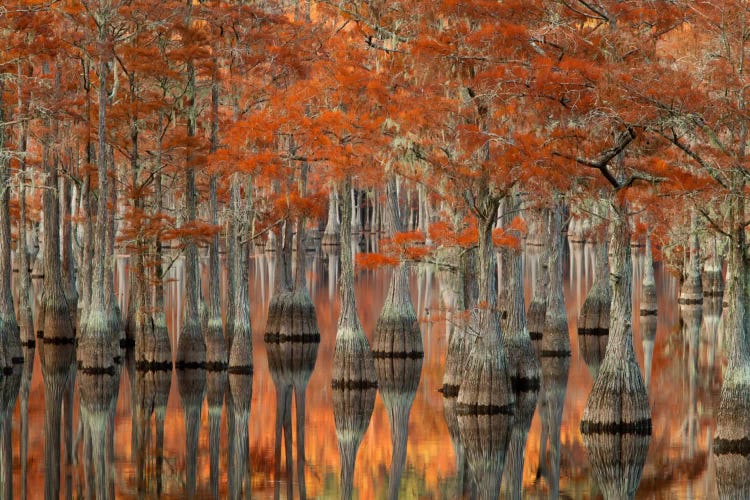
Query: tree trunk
[10, 334]
[618, 400]
[692, 288]
[97, 345]
[486, 387]
[241, 352]
[555, 337]
[191, 347]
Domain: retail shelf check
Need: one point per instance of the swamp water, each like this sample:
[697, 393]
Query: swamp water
[684, 385]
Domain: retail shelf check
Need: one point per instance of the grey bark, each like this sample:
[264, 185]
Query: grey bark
[10, 334]
[555, 337]
[618, 399]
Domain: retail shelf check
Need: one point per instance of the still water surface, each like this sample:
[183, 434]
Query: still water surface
[684, 391]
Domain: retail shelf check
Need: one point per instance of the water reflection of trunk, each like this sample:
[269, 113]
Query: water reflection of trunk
[617, 461]
[151, 388]
[55, 359]
[217, 384]
[593, 322]
[98, 392]
[10, 382]
[28, 371]
[278, 354]
[398, 353]
[485, 437]
[239, 397]
[648, 311]
[192, 386]
[555, 370]
[353, 381]
[692, 317]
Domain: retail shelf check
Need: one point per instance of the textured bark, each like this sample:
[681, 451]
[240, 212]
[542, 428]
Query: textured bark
[618, 400]
[192, 387]
[97, 342]
[191, 346]
[486, 388]
[66, 243]
[241, 352]
[25, 292]
[713, 279]
[692, 289]
[153, 347]
[555, 337]
[617, 462]
[453, 290]
[332, 232]
[523, 365]
[354, 382]
[538, 307]
[733, 417]
[216, 347]
[10, 334]
[353, 364]
[593, 322]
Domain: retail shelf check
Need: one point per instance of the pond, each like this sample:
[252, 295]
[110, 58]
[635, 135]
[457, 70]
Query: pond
[684, 388]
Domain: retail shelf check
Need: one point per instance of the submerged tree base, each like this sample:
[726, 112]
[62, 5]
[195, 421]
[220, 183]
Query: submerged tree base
[618, 402]
[191, 349]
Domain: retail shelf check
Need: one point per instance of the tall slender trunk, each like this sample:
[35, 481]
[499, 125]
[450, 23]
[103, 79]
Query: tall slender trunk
[10, 335]
[97, 344]
[555, 337]
[241, 352]
[191, 347]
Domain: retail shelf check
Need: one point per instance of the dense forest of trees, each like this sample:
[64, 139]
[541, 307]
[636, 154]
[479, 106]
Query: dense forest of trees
[455, 131]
